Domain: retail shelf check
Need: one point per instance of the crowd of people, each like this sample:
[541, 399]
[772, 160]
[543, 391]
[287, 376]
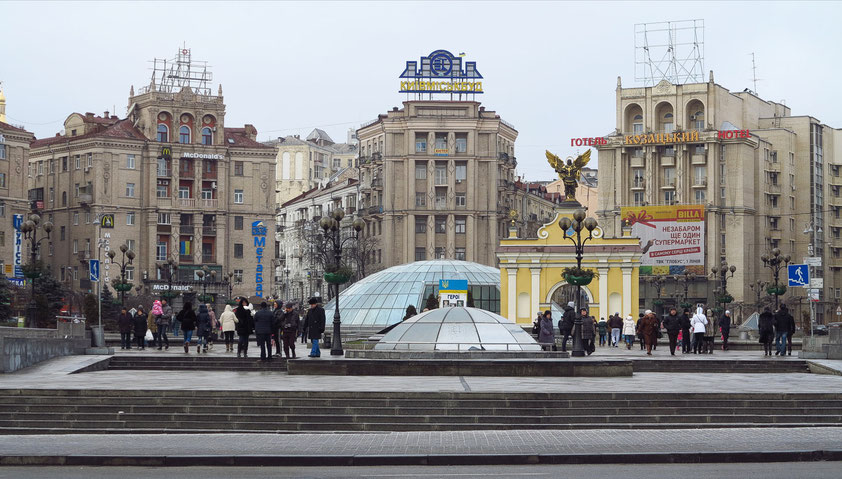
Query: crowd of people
[688, 333]
[276, 325]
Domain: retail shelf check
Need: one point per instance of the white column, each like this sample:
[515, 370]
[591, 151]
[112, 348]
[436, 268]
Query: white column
[603, 292]
[627, 290]
[534, 293]
[512, 290]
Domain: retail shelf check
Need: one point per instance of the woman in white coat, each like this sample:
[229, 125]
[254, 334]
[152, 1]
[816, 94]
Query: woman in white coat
[697, 324]
[628, 331]
[229, 323]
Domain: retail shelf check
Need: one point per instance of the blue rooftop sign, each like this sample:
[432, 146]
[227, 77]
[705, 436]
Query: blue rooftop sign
[441, 72]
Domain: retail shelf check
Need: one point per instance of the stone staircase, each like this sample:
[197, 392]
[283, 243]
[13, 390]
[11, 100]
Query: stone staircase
[194, 363]
[688, 364]
[185, 411]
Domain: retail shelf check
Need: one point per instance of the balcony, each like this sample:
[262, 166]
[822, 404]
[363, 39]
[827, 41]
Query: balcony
[165, 229]
[208, 258]
[187, 173]
[185, 258]
[638, 184]
[772, 189]
[775, 233]
[377, 183]
[186, 230]
[637, 162]
[667, 160]
[670, 183]
[769, 166]
[211, 203]
[374, 210]
[835, 180]
[700, 183]
[697, 159]
[164, 172]
[208, 230]
[187, 202]
[165, 201]
[208, 175]
[86, 199]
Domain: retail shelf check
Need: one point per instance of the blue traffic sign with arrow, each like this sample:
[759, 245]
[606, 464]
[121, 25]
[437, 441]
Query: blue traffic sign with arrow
[93, 269]
[798, 275]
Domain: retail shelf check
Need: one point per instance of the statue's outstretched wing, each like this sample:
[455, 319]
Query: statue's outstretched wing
[582, 160]
[554, 160]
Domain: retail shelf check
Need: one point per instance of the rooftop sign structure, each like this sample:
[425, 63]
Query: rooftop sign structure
[441, 72]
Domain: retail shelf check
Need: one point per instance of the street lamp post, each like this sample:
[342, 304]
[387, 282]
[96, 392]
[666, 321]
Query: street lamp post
[29, 228]
[170, 267]
[286, 284]
[759, 287]
[204, 275]
[230, 279]
[332, 231]
[722, 271]
[127, 253]
[684, 280]
[657, 282]
[578, 223]
[775, 262]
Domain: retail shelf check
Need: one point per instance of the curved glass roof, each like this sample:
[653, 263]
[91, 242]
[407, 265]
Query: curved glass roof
[458, 329]
[381, 299]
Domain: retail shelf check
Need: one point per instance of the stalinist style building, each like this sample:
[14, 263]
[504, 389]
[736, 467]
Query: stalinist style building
[766, 178]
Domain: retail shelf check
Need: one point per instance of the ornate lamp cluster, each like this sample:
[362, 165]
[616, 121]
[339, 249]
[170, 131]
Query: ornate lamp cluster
[776, 262]
[578, 277]
[122, 286]
[721, 272]
[29, 228]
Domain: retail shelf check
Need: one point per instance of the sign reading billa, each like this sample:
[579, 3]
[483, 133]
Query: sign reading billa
[669, 235]
[453, 292]
[441, 72]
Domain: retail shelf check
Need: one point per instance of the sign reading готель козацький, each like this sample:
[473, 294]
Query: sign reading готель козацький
[672, 237]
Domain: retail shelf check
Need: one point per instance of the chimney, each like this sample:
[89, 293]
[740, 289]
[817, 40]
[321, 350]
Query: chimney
[251, 132]
[106, 114]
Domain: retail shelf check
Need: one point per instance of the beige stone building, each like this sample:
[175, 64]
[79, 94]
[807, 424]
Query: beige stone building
[302, 165]
[14, 157]
[765, 177]
[438, 182]
[179, 183]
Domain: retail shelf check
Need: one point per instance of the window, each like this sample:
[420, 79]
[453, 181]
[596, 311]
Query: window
[722, 193]
[52, 195]
[420, 254]
[420, 224]
[2, 180]
[63, 163]
[76, 218]
[75, 273]
[90, 160]
[63, 198]
[129, 273]
[238, 197]
[164, 219]
[439, 252]
[238, 168]
[669, 126]
[420, 171]
[161, 251]
[792, 222]
[669, 176]
[460, 226]
[441, 224]
[130, 162]
[638, 198]
[61, 233]
[130, 190]
[87, 217]
[460, 254]
[238, 250]
[461, 171]
[669, 151]
[421, 142]
[700, 195]
[3, 238]
[700, 175]
[184, 192]
[637, 125]
[207, 136]
[52, 167]
[184, 134]
[2, 209]
[420, 199]
[40, 168]
[76, 189]
[131, 244]
[75, 246]
[441, 175]
[669, 197]
[698, 120]
[163, 133]
[238, 222]
[461, 199]
[441, 198]
[441, 142]
[461, 142]
[2, 152]
[637, 178]
[130, 219]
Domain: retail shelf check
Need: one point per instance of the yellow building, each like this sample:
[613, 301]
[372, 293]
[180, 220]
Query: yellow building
[530, 273]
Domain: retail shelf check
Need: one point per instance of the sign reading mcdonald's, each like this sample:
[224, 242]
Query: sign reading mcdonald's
[107, 221]
[166, 153]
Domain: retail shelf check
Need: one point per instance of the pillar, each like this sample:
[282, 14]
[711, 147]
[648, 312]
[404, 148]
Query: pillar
[627, 291]
[603, 292]
[511, 289]
[535, 291]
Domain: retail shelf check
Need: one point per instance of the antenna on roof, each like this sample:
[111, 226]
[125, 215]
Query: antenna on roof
[754, 73]
[671, 51]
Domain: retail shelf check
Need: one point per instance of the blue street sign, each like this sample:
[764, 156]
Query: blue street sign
[93, 269]
[798, 274]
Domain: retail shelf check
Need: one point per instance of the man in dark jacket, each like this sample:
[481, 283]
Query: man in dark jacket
[289, 329]
[315, 324]
[126, 323]
[587, 331]
[263, 329]
[278, 317]
[685, 331]
[615, 324]
[725, 327]
[187, 318]
[672, 323]
[244, 328]
[565, 324]
[140, 328]
[784, 323]
[766, 328]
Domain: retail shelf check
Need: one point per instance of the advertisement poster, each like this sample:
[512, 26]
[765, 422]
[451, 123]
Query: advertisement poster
[672, 237]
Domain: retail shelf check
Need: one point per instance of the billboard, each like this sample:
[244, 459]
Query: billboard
[672, 237]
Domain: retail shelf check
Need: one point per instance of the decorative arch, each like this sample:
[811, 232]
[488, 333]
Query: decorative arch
[552, 290]
[664, 117]
[632, 110]
[695, 113]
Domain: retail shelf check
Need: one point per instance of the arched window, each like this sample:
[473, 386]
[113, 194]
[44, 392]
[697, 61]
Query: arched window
[207, 136]
[163, 133]
[63, 198]
[637, 124]
[699, 120]
[669, 126]
[184, 134]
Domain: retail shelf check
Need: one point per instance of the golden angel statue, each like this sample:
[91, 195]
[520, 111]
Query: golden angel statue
[570, 172]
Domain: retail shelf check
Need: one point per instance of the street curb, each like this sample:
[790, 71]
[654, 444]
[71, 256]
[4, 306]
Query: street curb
[426, 459]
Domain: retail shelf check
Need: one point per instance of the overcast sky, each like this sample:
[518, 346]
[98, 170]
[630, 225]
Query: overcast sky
[550, 68]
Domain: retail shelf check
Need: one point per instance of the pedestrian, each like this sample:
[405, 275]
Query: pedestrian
[245, 327]
[784, 323]
[725, 328]
[672, 323]
[204, 326]
[685, 331]
[229, 324]
[789, 337]
[263, 327]
[289, 329]
[710, 331]
[565, 324]
[602, 328]
[766, 327]
[162, 320]
[648, 327]
[629, 331]
[174, 321]
[151, 325]
[303, 328]
[639, 332]
[214, 325]
[410, 312]
[278, 316]
[140, 328]
[536, 324]
[616, 324]
[126, 323]
[546, 335]
[187, 318]
[698, 322]
[587, 331]
[315, 324]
